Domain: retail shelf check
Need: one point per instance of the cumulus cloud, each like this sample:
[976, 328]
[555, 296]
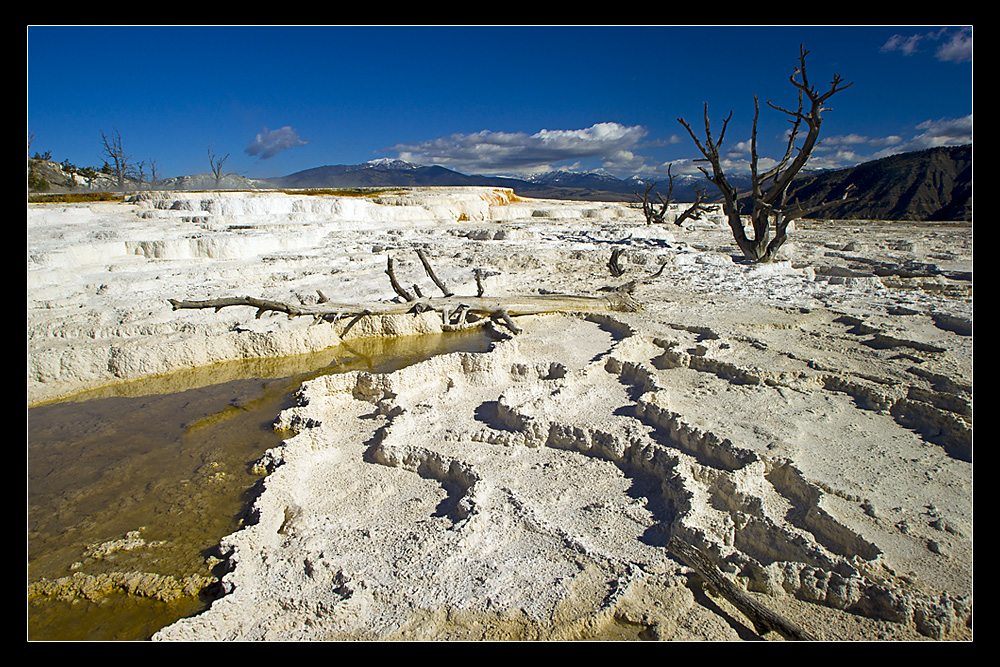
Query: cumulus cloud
[624, 162]
[738, 149]
[269, 143]
[836, 158]
[519, 152]
[953, 45]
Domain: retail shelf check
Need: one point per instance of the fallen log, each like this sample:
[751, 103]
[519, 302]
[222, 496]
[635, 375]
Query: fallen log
[763, 619]
[455, 310]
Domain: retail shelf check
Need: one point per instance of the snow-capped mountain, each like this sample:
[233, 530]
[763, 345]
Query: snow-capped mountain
[573, 178]
[942, 176]
[387, 163]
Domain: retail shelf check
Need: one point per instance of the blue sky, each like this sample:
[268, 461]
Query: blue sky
[483, 99]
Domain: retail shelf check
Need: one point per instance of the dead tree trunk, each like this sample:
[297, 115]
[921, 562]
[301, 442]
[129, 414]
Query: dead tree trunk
[120, 162]
[769, 189]
[614, 265]
[763, 619]
[456, 311]
[655, 215]
[649, 211]
[695, 209]
[216, 165]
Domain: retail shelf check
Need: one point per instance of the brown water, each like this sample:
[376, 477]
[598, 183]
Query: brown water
[167, 463]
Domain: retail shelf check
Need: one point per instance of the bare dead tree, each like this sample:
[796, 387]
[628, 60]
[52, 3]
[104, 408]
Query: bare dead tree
[115, 156]
[695, 209]
[649, 210]
[769, 189]
[153, 180]
[656, 215]
[138, 172]
[216, 164]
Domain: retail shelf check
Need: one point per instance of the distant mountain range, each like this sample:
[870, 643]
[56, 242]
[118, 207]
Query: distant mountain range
[933, 184]
[387, 173]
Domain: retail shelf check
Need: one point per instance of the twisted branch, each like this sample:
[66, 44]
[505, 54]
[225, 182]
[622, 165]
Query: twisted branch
[456, 311]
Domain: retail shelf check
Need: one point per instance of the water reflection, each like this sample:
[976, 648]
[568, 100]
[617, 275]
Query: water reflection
[167, 462]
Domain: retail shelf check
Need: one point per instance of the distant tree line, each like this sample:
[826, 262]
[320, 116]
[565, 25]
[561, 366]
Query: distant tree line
[118, 169]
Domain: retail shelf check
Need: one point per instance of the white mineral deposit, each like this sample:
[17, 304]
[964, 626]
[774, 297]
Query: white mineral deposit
[805, 424]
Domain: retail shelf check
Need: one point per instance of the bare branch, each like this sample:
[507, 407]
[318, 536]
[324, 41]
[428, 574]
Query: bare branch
[694, 209]
[455, 310]
[501, 308]
[617, 271]
[769, 190]
[216, 164]
[650, 212]
[432, 275]
[480, 290]
[119, 160]
[395, 283]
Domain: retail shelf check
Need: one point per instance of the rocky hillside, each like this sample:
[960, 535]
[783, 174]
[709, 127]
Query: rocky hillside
[934, 184]
[47, 176]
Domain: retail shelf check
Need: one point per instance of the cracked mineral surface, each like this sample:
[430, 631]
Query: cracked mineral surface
[807, 423]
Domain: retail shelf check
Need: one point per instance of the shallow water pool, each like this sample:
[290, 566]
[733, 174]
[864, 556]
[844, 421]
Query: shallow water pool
[139, 482]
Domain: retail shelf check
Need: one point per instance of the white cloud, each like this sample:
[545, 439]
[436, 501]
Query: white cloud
[836, 159]
[932, 134]
[669, 141]
[891, 140]
[624, 162]
[905, 45]
[520, 152]
[846, 140]
[739, 149]
[848, 150]
[945, 132]
[269, 143]
[957, 46]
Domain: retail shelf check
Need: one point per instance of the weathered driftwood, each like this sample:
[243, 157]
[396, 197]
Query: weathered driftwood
[762, 618]
[455, 310]
[614, 265]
